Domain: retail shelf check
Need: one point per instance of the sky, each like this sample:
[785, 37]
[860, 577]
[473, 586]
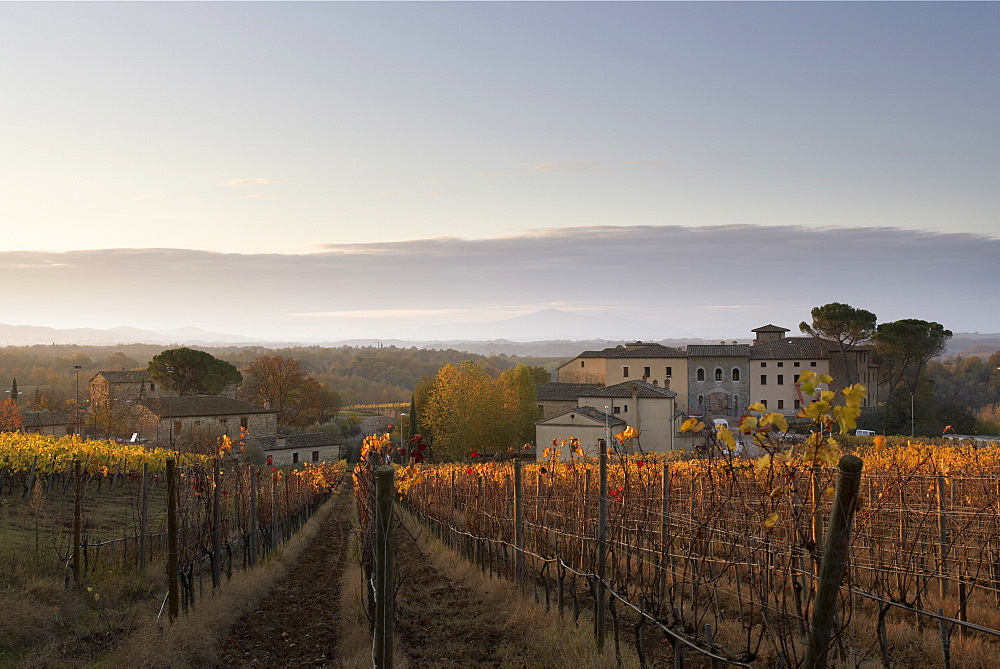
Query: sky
[320, 171]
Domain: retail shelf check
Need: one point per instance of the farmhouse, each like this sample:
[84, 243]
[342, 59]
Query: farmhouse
[55, 423]
[555, 399]
[717, 380]
[195, 423]
[296, 449]
[605, 411]
[776, 362]
[587, 424]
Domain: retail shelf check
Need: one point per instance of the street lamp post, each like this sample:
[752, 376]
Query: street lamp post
[76, 403]
[911, 415]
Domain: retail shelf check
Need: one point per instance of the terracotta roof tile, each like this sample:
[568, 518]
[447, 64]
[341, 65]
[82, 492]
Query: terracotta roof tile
[626, 389]
[201, 405]
[568, 392]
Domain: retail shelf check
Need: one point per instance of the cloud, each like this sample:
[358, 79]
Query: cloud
[376, 313]
[544, 168]
[259, 195]
[722, 280]
[564, 167]
[246, 182]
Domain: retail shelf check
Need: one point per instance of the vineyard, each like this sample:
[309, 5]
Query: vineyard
[77, 510]
[722, 556]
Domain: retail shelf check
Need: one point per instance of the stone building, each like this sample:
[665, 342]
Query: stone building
[312, 448]
[718, 383]
[589, 425]
[54, 423]
[656, 364]
[776, 362]
[195, 423]
[556, 398]
[648, 408]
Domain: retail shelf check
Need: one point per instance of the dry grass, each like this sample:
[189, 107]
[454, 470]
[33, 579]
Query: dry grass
[536, 638]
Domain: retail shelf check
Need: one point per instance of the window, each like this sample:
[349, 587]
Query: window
[244, 422]
[718, 373]
[763, 379]
[701, 400]
[295, 458]
[798, 404]
[701, 374]
[223, 421]
[645, 372]
[764, 402]
[624, 372]
[812, 363]
[625, 408]
[616, 409]
[795, 364]
[781, 404]
[736, 373]
[670, 372]
[763, 364]
[781, 379]
[781, 364]
[152, 387]
[177, 427]
[315, 456]
[582, 363]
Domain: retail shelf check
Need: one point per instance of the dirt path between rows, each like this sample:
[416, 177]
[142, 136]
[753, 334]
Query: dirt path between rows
[297, 623]
[447, 615]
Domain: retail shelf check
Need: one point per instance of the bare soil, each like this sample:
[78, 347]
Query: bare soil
[442, 619]
[296, 624]
[442, 622]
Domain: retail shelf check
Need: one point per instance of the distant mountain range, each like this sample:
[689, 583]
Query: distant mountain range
[499, 338]
[28, 335]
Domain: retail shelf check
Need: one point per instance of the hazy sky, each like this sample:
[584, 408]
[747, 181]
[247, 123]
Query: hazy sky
[346, 152]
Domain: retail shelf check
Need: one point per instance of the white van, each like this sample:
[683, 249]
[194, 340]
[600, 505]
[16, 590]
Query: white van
[865, 433]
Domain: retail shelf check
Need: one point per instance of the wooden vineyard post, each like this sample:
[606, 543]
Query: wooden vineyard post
[173, 594]
[274, 511]
[383, 566]
[29, 482]
[253, 516]
[600, 595]
[518, 526]
[942, 537]
[665, 529]
[817, 512]
[216, 524]
[838, 542]
[144, 517]
[77, 517]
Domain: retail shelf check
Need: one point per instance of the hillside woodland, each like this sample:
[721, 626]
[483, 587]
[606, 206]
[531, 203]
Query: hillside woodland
[962, 392]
